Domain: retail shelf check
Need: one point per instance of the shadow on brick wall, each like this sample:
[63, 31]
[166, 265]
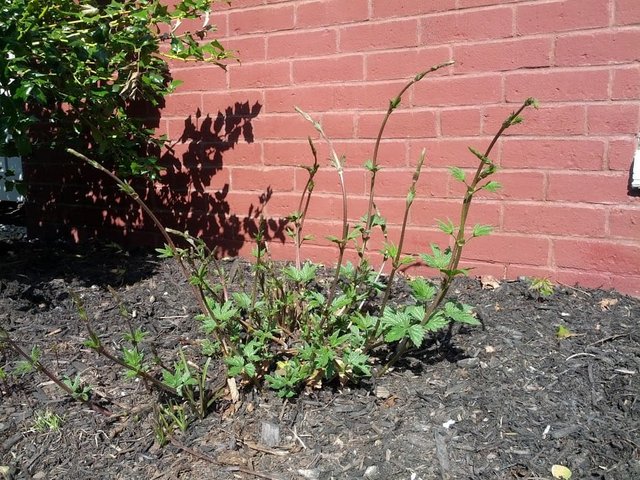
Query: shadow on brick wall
[70, 201]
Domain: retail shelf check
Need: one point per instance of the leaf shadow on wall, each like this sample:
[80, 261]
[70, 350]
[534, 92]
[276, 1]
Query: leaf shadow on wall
[68, 200]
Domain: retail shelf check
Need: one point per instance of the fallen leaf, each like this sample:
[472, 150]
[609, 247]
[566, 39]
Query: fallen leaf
[489, 282]
[560, 472]
[607, 303]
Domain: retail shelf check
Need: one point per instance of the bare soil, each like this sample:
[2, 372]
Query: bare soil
[506, 401]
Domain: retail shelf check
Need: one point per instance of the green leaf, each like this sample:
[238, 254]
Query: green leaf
[481, 156]
[422, 290]
[416, 334]
[437, 322]
[438, 259]
[482, 230]
[492, 186]
[447, 227]
[461, 313]
[457, 173]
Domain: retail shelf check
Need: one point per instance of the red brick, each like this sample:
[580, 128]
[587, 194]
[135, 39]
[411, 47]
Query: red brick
[258, 20]
[432, 183]
[626, 83]
[392, 153]
[182, 104]
[557, 85]
[264, 74]
[403, 124]
[338, 124]
[482, 3]
[626, 284]
[547, 120]
[517, 271]
[485, 24]
[287, 153]
[612, 119]
[509, 248]
[328, 69]
[406, 63]
[331, 12]
[244, 154]
[240, 4]
[460, 122]
[368, 96]
[517, 185]
[203, 77]
[626, 12]
[620, 153]
[309, 98]
[459, 90]
[587, 187]
[426, 212]
[326, 180]
[251, 179]
[551, 17]
[375, 36]
[405, 8]
[598, 256]
[503, 55]
[625, 222]
[583, 278]
[538, 218]
[214, 102]
[578, 154]
[449, 152]
[302, 44]
[248, 49]
[600, 48]
[279, 126]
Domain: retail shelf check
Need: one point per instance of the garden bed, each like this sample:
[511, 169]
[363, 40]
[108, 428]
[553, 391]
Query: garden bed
[507, 400]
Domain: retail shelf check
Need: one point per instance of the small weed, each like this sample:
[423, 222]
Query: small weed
[46, 421]
[541, 287]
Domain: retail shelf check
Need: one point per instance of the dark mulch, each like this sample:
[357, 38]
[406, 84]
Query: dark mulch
[505, 401]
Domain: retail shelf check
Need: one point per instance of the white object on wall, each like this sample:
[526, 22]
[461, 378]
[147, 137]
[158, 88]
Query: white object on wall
[635, 175]
[13, 164]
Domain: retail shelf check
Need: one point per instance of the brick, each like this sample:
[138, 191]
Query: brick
[448, 152]
[368, 96]
[626, 12]
[460, 122]
[625, 222]
[376, 36]
[552, 17]
[403, 124]
[237, 100]
[459, 91]
[328, 69]
[620, 153]
[252, 179]
[568, 154]
[509, 248]
[331, 12]
[259, 75]
[392, 153]
[281, 125]
[405, 8]
[432, 183]
[626, 83]
[598, 256]
[554, 86]
[587, 187]
[406, 63]
[327, 181]
[302, 44]
[547, 120]
[260, 20]
[286, 153]
[200, 78]
[584, 279]
[426, 212]
[338, 124]
[517, 271]
[612, 119]
[309, 98]
[538, 218]
[517, 185]
[626, 284]
[485, 24]
[504, 55]
[248, 49]
[599, 48]
[182, 104]
[244, 154]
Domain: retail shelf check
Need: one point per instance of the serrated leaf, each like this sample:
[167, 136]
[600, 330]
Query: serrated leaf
[457, 173]
[436, 323]
[422, 290]
[447, 227]
[416, 334]
[250, 370]
[438, 259]
[460, 313]
[492, 186]
[482, 230]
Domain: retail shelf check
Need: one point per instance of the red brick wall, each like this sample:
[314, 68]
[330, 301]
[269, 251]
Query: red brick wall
[566, 210]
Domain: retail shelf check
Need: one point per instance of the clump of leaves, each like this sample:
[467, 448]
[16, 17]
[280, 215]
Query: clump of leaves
[290, 330]
[77, 74]
[541, 288]
[46, 421]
